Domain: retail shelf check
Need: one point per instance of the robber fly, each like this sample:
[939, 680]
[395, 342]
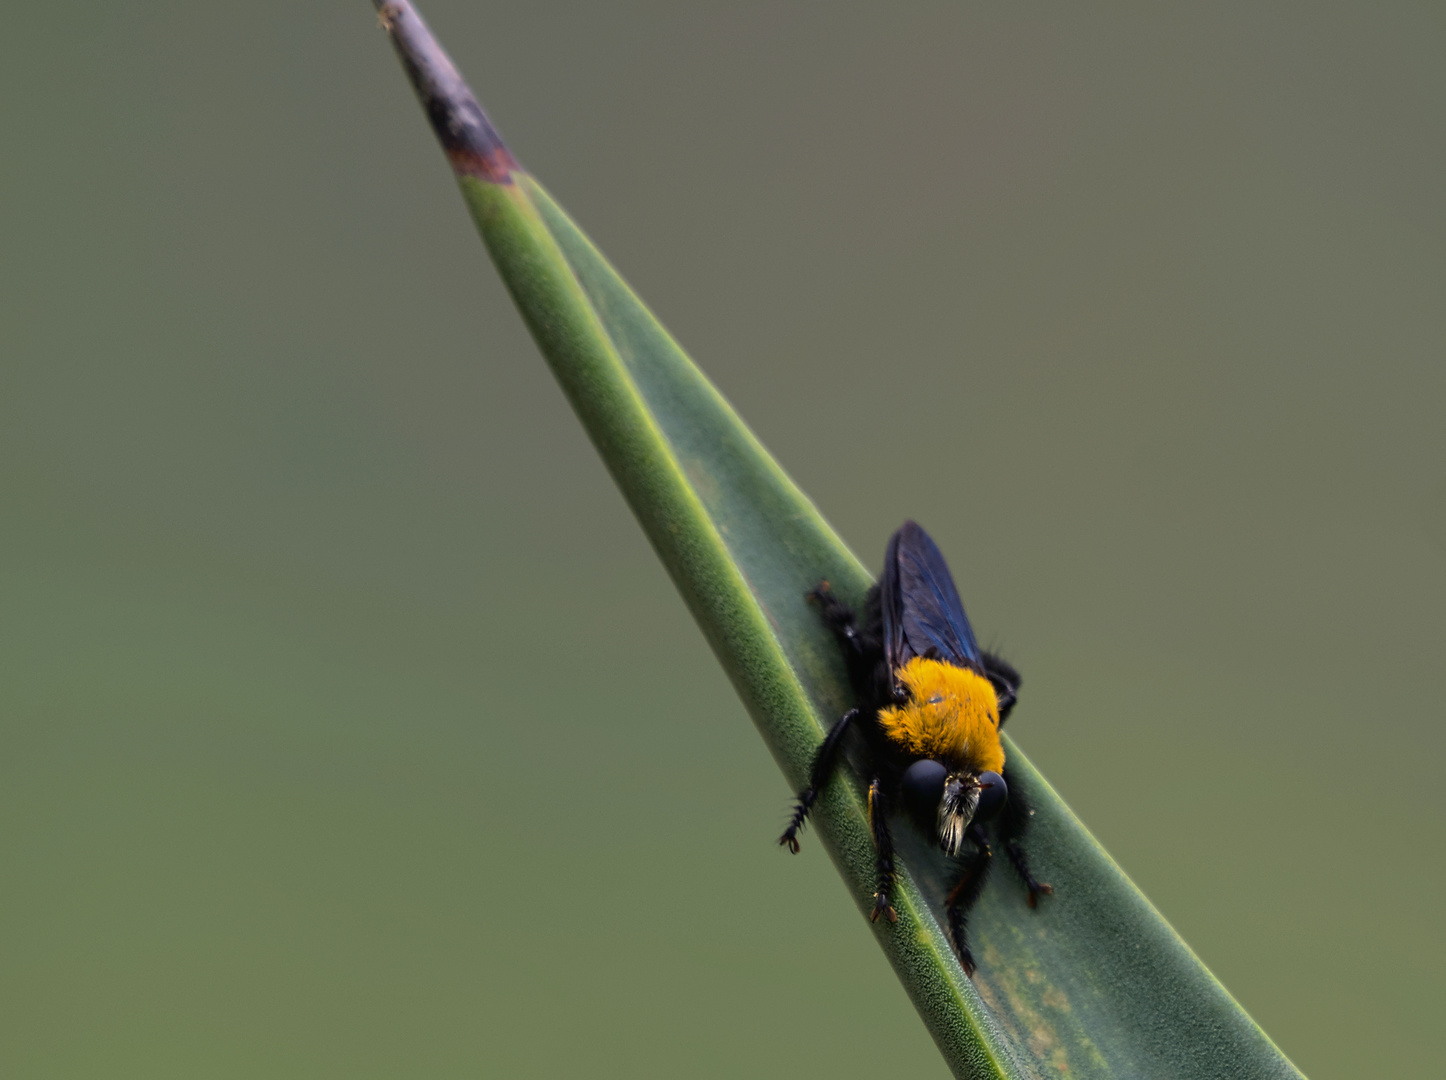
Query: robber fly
[930, 706]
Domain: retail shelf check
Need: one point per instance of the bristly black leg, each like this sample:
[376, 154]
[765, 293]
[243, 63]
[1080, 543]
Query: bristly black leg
[884, 855]
[965, 895]
[1006, 681]
[859, 641]
[840, 619]
[823, 762]
[1013, 823]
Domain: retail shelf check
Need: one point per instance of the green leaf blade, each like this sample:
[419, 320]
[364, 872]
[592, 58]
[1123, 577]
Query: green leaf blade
[741, 543]
[1095, 983]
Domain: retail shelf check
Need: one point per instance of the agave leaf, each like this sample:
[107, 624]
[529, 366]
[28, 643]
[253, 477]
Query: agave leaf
[1095, 984]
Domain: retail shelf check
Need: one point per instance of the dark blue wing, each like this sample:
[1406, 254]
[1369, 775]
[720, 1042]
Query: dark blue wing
[920, 605]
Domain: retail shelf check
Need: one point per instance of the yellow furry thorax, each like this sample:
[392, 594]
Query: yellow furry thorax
[952, 716]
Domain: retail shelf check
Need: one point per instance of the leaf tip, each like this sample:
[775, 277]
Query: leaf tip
[471, 142]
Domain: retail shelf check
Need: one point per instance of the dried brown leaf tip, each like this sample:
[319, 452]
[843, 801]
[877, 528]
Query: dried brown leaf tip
[471, 142]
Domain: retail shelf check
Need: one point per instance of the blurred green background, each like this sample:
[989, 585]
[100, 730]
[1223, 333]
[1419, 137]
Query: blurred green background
[322, 628]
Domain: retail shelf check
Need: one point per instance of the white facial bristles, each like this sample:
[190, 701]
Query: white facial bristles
[956, 811]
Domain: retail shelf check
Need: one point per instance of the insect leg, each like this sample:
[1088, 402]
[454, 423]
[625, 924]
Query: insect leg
[823, 763]
[965, 894]
[840, 619]
[884, 855]
[1013, 823]
[861, 641]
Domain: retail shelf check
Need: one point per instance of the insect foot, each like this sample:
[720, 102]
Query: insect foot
[1038, 889]
[884, 908]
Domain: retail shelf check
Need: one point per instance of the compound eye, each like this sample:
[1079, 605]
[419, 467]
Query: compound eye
[923, 788]
[993, 794]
